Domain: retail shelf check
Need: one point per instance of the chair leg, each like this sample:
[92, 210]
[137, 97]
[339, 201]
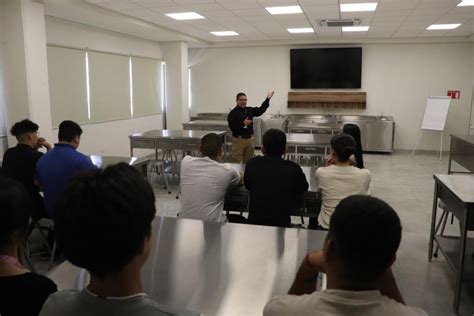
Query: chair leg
[53, 253]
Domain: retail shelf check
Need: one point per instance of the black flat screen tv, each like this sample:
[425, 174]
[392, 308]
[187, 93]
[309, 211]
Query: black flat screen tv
[326, 68]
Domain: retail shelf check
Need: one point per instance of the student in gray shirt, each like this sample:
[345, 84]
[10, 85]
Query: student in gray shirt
[103, 224]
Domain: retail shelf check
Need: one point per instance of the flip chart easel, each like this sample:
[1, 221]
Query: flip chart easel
[436, 113]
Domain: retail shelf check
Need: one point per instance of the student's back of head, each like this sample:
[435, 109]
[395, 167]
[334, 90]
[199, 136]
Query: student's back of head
[354, 131]
[365, 233]
[274, 143]
[14, 213]
[19, 129]
[103, 219]
[211, 145]
[68, 131]
[344, 146]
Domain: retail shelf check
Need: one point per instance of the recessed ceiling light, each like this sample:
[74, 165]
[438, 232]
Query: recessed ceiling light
[301, 30]
[443, 26]
[225, 33]
[355, 28]
[466, 3]
[185, 16]
[358, 7]
[285, 10]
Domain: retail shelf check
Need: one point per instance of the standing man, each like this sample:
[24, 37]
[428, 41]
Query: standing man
[240, 121]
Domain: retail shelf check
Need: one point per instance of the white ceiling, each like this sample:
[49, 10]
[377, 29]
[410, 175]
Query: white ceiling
[392, 19]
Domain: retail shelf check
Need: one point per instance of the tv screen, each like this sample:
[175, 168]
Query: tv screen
[326, 68]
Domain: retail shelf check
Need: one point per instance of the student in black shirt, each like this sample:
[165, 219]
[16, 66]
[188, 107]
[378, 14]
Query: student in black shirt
[19, 162]
[240, 121]
[276, 185]
[22, 292]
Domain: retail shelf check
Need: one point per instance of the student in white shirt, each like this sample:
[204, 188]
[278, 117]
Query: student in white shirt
[358, 253]
[204, 182]
[341, 179]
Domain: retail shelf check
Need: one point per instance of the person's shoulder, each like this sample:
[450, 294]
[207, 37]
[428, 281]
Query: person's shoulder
[151, 308]
[60, 303]
[42, 281]
[289, 304]
[401, 309]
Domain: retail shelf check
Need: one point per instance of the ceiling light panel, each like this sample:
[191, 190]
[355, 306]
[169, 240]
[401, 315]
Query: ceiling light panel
[284, 10]
[358, 7]
[181, 16]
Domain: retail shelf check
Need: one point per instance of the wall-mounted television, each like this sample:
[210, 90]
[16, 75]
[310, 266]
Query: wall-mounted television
[326, 68]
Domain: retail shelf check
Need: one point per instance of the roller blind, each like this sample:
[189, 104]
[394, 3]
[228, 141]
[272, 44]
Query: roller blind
[67, 85]
[146, 86]
[109, 87]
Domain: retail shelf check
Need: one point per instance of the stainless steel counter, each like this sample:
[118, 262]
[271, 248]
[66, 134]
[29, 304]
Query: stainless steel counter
[377, 132]
[462, 152]
[216, 268]
[205, 125]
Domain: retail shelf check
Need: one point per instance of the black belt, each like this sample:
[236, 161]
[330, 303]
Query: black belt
[242, 136]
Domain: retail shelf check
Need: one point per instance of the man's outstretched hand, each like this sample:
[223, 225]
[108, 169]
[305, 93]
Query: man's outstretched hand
[270, 94]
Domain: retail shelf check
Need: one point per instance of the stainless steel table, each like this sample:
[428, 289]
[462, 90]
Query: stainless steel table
[140, 163]
[207, 125]
[216, 268]
[187, 140]
[462, 151]
[457, 192]
[308, 144]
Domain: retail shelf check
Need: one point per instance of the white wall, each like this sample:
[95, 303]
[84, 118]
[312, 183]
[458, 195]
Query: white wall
[3, 132]
[109, 138]
[398, 78]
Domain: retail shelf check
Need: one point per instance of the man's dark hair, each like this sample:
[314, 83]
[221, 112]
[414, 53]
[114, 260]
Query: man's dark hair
[103, 217]
[211, 144]
[366, 233]
[240, 94]
[23, 127]
[274, 142]
[354, 131]
[15, 206]
[344, 145]
[68, 130]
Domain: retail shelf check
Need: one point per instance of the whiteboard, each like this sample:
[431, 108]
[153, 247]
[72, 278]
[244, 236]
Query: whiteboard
[436, 112]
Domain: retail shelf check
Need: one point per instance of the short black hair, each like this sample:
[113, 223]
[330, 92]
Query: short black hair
[103, 217]
[354, 131]
[240, 94]
[23, 127]
[274, 142]
[68, 130]
[344, 145]
[15, 208]
[211, 144]
[366, 233]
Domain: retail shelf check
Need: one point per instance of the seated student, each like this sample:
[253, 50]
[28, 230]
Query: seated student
[275, 185]
[58, 165]
[358, 253]
[354, 131]
[103, 224]
[204, 182]
[340, 179]
[19, 162]
[22, 292]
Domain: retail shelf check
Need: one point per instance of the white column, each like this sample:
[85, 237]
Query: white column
[175, 54]
[25, 65]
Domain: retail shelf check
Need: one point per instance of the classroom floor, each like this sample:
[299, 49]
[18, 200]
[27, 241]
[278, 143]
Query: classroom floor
[406, 183]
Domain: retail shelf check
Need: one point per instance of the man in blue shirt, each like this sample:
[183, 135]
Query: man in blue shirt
[58, 165]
